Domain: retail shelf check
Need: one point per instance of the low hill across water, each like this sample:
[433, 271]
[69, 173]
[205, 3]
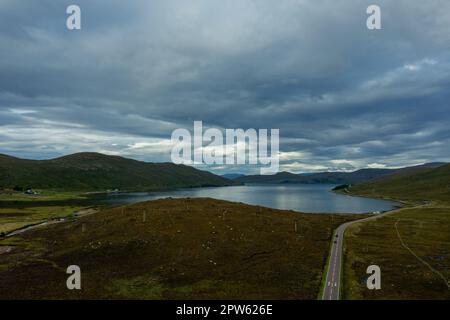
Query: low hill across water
[99, 172]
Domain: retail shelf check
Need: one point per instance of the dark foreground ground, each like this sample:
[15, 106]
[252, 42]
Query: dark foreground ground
[412, 248]
[173, 249]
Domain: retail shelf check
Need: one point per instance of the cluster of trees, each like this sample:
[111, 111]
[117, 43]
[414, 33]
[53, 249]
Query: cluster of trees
[342, 186]
[21, 189]
[16, 188]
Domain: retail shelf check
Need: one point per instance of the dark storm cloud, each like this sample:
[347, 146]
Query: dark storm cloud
[342, 96]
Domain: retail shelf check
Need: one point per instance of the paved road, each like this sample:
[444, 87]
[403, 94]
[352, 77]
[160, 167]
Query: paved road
[332, 284]
[333, 280]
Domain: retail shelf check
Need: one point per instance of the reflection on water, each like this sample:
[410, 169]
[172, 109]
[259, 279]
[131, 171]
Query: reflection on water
[315, 198]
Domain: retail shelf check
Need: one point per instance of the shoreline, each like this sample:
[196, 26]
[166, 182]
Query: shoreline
[94, 198]
[405, 203]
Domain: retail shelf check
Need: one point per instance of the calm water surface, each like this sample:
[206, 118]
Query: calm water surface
[315, 198]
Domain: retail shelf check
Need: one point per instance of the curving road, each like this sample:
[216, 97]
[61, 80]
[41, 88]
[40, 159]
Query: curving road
[81, 213]
[333, 279]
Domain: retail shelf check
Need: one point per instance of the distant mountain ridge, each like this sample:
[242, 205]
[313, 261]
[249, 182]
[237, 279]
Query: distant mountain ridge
[99, 172]
[232, 175]
[354, 177]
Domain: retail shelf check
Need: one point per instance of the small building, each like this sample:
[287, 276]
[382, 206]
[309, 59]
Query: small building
[30, 191]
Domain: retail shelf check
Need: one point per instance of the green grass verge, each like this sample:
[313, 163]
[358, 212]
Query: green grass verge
[42, 195]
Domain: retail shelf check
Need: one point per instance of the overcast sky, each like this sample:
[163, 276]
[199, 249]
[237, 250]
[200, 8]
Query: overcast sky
[343, 97]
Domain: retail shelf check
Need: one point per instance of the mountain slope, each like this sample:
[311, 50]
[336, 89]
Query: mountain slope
[428, 184]
[332, 177]
[94, 171]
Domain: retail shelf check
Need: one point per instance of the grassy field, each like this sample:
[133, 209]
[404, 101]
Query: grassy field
[16, 218]
[18, 210]
[42, 195]
[173, 249]
[412, 248]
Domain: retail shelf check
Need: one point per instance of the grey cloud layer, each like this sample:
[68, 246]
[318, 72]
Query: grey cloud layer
[343, 97]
